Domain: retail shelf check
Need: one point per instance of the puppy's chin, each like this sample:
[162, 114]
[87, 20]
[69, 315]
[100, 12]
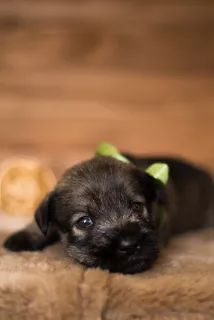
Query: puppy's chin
[136, 267]
[131, 264]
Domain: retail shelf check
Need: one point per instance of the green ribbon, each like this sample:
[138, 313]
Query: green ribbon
[106, 149]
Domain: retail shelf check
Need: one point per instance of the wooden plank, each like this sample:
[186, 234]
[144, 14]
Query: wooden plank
[76, 73]
[62, 113]
[155, 37]
[149, 134]
[105, 92]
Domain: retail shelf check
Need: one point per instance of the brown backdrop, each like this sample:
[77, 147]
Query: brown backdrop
[138, 74]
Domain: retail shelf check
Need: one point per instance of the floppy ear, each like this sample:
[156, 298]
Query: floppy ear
[43, 213]
[153, 189]
[155, 195]
[160, 174]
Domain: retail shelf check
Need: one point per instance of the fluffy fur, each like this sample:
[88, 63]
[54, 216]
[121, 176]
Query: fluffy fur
[46, 285]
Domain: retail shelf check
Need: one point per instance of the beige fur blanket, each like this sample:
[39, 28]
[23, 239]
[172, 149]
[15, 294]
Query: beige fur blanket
[45, 285]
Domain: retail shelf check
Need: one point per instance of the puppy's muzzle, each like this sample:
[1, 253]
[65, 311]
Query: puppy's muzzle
[128, 242]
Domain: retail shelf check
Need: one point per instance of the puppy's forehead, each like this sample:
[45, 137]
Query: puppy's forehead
[98, 176]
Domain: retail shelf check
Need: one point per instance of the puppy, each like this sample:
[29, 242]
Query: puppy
[113, 215]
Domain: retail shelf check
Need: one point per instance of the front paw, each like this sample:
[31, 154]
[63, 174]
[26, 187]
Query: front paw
[21, 241]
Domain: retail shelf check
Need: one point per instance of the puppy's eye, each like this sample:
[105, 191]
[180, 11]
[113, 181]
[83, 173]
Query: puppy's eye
[84, 222]
[138, 206]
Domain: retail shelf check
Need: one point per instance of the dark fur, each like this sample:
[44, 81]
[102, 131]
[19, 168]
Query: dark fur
[106, 189]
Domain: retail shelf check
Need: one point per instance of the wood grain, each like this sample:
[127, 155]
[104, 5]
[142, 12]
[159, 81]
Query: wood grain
[74, 74]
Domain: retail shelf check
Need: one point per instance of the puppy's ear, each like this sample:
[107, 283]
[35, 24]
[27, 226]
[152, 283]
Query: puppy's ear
[160, 191]
[160, 174]
[154, 189]
[43, 214]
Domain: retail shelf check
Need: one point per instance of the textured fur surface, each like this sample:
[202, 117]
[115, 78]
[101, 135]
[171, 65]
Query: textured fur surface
[45, 285]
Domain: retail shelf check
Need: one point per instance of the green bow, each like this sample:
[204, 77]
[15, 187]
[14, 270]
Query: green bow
[106, 149]
[158, 171]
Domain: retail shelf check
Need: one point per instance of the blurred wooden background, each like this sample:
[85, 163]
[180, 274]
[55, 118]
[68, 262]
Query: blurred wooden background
[138, 74]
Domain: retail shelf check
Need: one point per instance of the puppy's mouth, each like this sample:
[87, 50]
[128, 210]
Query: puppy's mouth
[133, 267]
[130, 264]
[138, 261]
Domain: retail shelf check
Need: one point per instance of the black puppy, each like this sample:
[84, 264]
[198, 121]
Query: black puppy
[112, 215]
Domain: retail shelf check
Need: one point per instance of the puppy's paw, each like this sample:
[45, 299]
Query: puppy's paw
[21, 241]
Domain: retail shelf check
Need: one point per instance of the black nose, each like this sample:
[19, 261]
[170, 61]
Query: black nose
[128, 244]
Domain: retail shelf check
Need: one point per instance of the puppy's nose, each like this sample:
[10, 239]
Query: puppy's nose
[128, 244]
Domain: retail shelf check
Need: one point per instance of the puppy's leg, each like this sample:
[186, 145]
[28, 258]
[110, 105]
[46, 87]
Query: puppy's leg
[31, 239]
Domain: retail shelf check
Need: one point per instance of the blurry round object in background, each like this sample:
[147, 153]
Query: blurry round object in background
[23, 184]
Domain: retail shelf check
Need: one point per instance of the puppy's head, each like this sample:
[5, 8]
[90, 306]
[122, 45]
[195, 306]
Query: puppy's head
[107, 214]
